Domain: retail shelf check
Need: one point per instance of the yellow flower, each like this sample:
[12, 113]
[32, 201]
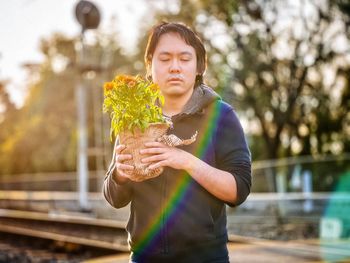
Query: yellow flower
[154, 87]
[126, 79]
[108, 86]
[126, 93]
[131, 84]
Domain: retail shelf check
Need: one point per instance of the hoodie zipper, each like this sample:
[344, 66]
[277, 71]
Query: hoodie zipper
[164, 231]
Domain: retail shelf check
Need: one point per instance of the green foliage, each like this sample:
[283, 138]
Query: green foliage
[41, 131]
[282, 98]
[276, 74]
[41, 136]
[132, 102]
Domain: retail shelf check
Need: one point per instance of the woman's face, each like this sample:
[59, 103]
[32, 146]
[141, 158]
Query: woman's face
[174, 66]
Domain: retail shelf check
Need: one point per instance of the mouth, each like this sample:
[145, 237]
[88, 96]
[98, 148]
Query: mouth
[174, 79]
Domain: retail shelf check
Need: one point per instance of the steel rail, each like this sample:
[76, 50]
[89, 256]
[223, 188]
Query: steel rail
[269, 196]
[313, 249]
[102, 233]
[61, 237]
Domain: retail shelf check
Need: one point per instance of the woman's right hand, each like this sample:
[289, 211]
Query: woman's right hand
[121, 168]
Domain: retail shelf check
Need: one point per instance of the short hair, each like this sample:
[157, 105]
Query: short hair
[187, 34]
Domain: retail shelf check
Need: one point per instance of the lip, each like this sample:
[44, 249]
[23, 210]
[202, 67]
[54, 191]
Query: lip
[174, 79]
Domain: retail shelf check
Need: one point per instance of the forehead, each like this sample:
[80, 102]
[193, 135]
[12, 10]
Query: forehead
[173, 43]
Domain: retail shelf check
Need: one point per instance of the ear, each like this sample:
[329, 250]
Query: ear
[148, 72]
[200, 72]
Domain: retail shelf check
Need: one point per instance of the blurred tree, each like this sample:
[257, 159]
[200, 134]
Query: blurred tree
[8, 110]
[7, 107]
[41, 136]
[291, 79]
[344, 6]
[43, 128]
[284, 65]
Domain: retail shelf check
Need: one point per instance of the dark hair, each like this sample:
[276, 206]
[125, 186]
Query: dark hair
[187, 34]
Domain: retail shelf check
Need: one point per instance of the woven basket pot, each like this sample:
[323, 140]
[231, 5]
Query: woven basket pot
[134, 142]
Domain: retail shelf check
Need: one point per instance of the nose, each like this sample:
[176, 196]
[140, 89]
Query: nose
[175, 66]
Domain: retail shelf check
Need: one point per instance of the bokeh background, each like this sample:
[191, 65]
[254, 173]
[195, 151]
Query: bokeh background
[284, 65]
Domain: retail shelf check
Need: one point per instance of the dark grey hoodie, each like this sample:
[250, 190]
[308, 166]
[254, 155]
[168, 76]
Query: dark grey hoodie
[172, 217]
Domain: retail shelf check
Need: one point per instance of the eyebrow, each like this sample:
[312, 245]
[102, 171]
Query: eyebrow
[181, 53]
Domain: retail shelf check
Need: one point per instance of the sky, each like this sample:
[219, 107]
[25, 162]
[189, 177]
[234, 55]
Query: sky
[24, 22]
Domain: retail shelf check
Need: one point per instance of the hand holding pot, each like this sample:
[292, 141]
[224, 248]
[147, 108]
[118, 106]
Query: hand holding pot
[121, 167]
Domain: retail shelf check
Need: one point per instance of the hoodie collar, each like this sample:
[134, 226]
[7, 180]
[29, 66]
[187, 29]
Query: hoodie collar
[201, 97]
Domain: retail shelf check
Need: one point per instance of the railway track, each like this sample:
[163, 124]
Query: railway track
[19, 249]
[86, 231]
[110, 235]
[61, 221]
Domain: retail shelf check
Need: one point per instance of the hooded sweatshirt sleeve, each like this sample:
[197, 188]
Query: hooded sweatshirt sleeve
[117, 195]
[232, 152]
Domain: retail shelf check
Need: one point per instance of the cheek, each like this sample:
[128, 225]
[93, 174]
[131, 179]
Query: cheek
[192, 71]
[154, 68]
[192, 68]
[157, 72]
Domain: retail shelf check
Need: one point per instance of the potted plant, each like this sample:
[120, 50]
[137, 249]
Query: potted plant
[134, 105]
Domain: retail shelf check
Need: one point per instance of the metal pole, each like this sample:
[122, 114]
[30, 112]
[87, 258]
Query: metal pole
[96, 103]
[82, 168]
[83, 171]
[88, 17]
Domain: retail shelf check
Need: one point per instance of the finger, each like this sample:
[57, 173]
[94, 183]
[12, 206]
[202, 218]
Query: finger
[154, 144]
[152, 151]
[153, 158]
[121, 166]
[119, 148]
[123, 174]
[123, 157]
[157, 165]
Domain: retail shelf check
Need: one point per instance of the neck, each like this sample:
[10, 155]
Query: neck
[174, 105]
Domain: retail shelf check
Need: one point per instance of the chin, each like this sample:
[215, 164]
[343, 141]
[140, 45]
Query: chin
[175, 91]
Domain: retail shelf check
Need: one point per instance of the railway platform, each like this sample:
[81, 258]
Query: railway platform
[262, 251]
[103, 227]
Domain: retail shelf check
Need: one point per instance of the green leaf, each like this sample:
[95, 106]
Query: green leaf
[132, 106]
